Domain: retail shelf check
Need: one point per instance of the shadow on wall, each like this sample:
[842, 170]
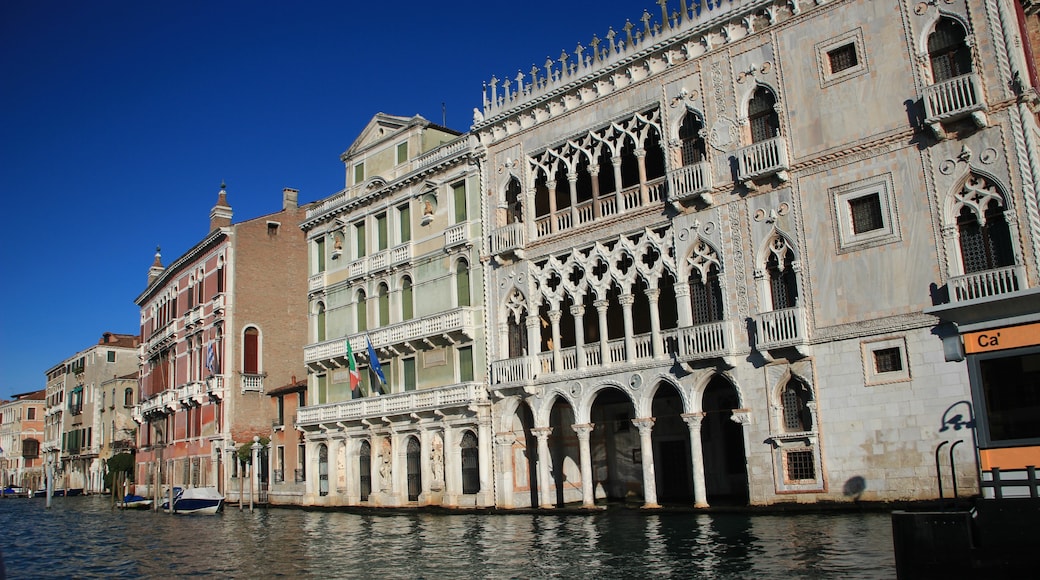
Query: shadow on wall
[854, 487]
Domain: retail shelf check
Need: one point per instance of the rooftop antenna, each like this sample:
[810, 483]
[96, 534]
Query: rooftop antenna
[444, 115]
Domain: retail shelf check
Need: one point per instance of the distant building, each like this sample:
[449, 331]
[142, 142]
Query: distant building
[395, 284]
[222, 324]
[116, 429]
[21, 437]
[283, 461]
[73, 412]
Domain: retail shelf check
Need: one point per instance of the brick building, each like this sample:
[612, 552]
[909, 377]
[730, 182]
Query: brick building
[219, 326]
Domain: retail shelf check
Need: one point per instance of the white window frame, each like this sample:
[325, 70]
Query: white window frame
[871, 377]
[823, 61]
[842, 196]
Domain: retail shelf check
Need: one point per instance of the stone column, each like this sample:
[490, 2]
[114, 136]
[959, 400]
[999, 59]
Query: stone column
[425, 464]
[682, 302]
[542, 433]
[618, 186]
[504, 473]
[646, 446]
[641, 162]
[627, 300]
[550, 184]
[554, 319]
[588, 497]
[572, 180]
[656, 341]
[534, 338]
[452, 467]
[700, 493]
[334, 446]
[578, 312]
[604, 338]
[486, 496]
[597, 212]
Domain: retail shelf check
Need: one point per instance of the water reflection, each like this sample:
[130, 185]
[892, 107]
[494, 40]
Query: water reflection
[85, 538]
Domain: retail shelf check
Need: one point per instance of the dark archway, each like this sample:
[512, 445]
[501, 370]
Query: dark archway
[365, 470]
[414, 460]
[722, 440]
[617, 468]
[564, 461]
[672, 458]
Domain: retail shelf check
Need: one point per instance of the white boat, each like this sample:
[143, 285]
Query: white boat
[195, 500]
[135, 502]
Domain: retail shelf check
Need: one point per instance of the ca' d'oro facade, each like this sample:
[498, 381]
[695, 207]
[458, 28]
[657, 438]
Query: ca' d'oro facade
[687, 262]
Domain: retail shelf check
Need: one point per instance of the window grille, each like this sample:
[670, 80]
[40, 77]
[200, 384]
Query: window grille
[888, 360]
[842, 58]
[866, 213]
[693, 150]
[706, 298]
[762, 115]
[782, 284]
[950, 56]
[796, 413]
[800, 465]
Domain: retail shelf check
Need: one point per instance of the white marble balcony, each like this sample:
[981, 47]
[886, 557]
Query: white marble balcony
[458, 395]
[763, 159]
[691, 182]
[780, 328]
[996, 282]
[954, 99]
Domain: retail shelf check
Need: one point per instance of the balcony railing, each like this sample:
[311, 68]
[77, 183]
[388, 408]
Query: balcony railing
[780, 328]
[278, 475]
[252, 383]
[455, 235]
[316, 282]
[690, 181]
[299, 475]
[606, 205]
[509, 238]
[380, 261]
[160, 336]
[459, 395]
[953, 99]
[458, 322]
[761, 159]
[714, 339]
[193, 317]
[987, 283]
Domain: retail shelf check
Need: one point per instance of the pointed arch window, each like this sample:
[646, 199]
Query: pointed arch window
[692, 143]
[762, 115]
[783, 284]
[948, 53]
[705, 290]
[983, 232]
[462, 286]
[514, 207]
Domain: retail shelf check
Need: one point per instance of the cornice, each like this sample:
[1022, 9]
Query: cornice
[175, 268]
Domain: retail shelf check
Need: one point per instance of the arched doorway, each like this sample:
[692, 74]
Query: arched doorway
[470, 463]
[525, 457]
[323, 470]
[617, 465]
[564, 462]
[722, 439]
[414, 460]
[671, 437]
[365, 470]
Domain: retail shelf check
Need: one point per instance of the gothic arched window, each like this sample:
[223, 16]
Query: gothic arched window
[948, 53]
[693, 149]
[794, 400]
[783, 283]
[762, 115]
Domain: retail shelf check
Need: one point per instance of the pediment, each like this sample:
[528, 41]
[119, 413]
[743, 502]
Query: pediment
[381, 128]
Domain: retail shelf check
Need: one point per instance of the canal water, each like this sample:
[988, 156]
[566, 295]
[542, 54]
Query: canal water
[83, 537]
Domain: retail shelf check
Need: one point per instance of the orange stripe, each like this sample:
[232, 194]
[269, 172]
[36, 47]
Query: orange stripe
[1010, 458]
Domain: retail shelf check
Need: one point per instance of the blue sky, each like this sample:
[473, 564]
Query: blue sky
[120, 118]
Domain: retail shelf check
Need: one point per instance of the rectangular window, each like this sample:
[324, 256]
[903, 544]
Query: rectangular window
[800, 465]
[111, 356]
[31, 413]
[466, 364]
[1010, 389]
[279, 474]
[459, 191]
[381, 232]
[866, 213]
[359, 173]
[359, 239]
[319, 256]
[842, 58]
[323, 389]
[301, 461]
[281, 410]
[404, 219]
[402, 152]
[408, 372]
[888, 360]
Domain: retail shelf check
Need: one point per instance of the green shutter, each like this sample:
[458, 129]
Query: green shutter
[405, 218]
[408, 369]
[466, 364]
[460, 201]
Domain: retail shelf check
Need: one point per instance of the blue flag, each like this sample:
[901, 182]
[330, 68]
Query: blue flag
[373, 362]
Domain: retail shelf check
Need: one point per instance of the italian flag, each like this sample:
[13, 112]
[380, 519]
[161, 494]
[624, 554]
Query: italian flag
[355, 376]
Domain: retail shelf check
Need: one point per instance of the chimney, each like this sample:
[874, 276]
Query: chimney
[220, 215]
[157, 268]
[290, 198]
